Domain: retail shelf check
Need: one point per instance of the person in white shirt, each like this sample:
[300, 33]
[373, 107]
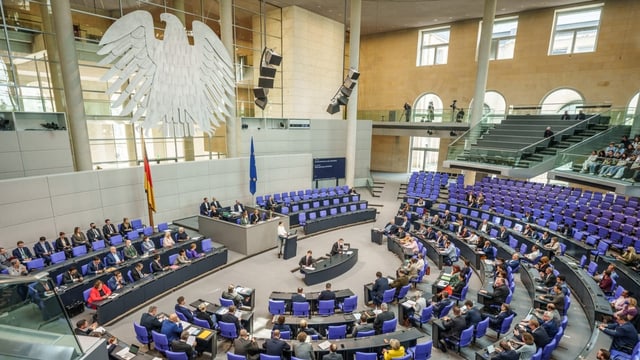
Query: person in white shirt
[533, 255]
[282, 237]
[484, 227]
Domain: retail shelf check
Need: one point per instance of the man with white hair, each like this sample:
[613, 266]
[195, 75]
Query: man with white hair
[382, 317]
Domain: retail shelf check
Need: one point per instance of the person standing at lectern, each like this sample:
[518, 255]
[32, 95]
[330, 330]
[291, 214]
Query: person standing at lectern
[282, 237]
[337, 247]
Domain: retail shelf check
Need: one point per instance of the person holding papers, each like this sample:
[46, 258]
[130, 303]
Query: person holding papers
[181, 345]
[98, 292]
[307, 260]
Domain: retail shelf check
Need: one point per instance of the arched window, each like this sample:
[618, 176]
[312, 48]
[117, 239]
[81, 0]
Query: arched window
[422, 110]
[632, 110]
[561, 100]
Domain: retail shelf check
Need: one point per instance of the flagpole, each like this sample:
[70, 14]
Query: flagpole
[144, 152]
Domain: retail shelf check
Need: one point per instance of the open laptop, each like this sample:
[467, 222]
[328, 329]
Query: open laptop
[129, 353]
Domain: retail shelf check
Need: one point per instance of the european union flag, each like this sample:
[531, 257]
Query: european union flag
[253, 173]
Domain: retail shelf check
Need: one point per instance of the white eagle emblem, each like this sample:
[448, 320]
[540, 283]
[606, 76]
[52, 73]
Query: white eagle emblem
[168, 81]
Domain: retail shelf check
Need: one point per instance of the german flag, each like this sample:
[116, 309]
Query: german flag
[148, 184]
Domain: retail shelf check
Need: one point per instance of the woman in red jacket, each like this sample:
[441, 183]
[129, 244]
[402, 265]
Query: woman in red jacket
[98, 292]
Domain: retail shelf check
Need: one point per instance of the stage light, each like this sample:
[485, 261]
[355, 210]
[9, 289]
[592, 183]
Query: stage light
[334, 107]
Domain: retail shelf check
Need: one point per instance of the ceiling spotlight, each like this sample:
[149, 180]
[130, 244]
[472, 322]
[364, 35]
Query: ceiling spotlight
[334, 107]
[345, 91]
[342, 99]
[349, 84]
[261, 102]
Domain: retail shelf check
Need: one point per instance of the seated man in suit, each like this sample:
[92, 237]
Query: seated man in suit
[298, 296]
[449, 253]
[156, 264]
[230, 317]
[113, 258]
[380, 285]
[255, 217]
[231, 294]
[406, 224]
[503, 234]
[624, 334]
[471, 313]
[181, 345]
[17, 269]
[238, 207]
[362, 326]
[71, 276]
[303, 327]
[181, 308]
[182, 235]
[337, 247]
[275, 346]
[451, 328]
[499, 295]
[63, 244]
[150, 321]
[94, 234]
[116, 282]
[327, 294]
[245, 346]
[109, 230]
[22, 252]
[441, 304]
[307, 260]
[540, 336]
[391, 228]
[95, 267]
[172, 328]
[495, 321]
[505, 352]
[382, 317]
[332, 355]
[83, 327]
[205, 208]
[43, 249]
[137, 273]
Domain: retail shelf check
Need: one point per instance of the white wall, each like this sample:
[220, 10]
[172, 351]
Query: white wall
[324, 138]
[45, 205]
[30, 153]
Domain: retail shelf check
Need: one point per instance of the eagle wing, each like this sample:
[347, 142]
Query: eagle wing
[129, 44]
[216, 88]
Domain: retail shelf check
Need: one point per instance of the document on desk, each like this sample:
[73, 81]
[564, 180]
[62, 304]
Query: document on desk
[113, 295]
[324, 345]
[238, 314]
[222, 311]
[408, 303]
[192, 330]
[204, 334]
[308, 267]
[443, 283]
[185, 324]
[349, 252]
[191, 340]
[125, 354]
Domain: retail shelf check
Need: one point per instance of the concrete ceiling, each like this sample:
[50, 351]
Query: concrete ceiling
[390, 15]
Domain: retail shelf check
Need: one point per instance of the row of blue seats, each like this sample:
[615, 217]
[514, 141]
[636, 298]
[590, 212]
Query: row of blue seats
[299, 195]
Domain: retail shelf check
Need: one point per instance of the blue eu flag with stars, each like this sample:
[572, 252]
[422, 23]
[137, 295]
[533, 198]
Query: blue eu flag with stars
[253, 173]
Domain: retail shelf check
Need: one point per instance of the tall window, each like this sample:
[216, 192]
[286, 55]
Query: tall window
[575, 30]
[561, 100]
[433, 46]
[503, 38]
[424, 153]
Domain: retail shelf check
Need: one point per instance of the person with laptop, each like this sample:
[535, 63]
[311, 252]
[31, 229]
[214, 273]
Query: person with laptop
[181, 345]
[338, 247]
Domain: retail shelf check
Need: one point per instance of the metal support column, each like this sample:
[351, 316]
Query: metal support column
[352, 108]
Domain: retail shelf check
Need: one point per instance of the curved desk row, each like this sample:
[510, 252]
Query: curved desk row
[338, 220]
[132, 295]
[312, 297]
[73, 292]
[331, 267]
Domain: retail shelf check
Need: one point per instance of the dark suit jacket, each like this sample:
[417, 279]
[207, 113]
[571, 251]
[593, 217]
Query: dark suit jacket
[327, 295]
[454, 327]
[60, 246]
[503, 236]
[298, 298]
[93, 268]
[430, 235]
[303, 261]
[150, 322]
[155, 267]
[335, 249]
[540, 337]
[379, 287]
[496, 322]
[245, 347]
[109, 230]
[111, 260]
[216, 204]
[136, 275]
[184, 311]
[204, 209]
[40, 249]
[112, 283]
[67, 278]
[473, 317]
[94, 235]
[231, 318]
[275, 347]
[203, 315]
[27, 253]
[381, 318]
[238, 208]
[332, 356]
[499, 294]
[624, 336]
[181, 346]
[507, 355]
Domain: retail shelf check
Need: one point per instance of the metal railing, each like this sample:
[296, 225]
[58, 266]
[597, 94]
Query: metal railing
[471, 136]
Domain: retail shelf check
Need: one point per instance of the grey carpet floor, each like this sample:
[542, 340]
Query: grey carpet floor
[266, 273]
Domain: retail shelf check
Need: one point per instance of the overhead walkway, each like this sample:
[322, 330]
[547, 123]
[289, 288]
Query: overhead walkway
[516, 147]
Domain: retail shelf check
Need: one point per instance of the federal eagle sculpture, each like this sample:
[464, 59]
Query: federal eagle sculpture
[168, 81]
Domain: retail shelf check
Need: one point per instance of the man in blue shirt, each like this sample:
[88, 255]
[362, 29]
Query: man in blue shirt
[624, 334]
[172, 328]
